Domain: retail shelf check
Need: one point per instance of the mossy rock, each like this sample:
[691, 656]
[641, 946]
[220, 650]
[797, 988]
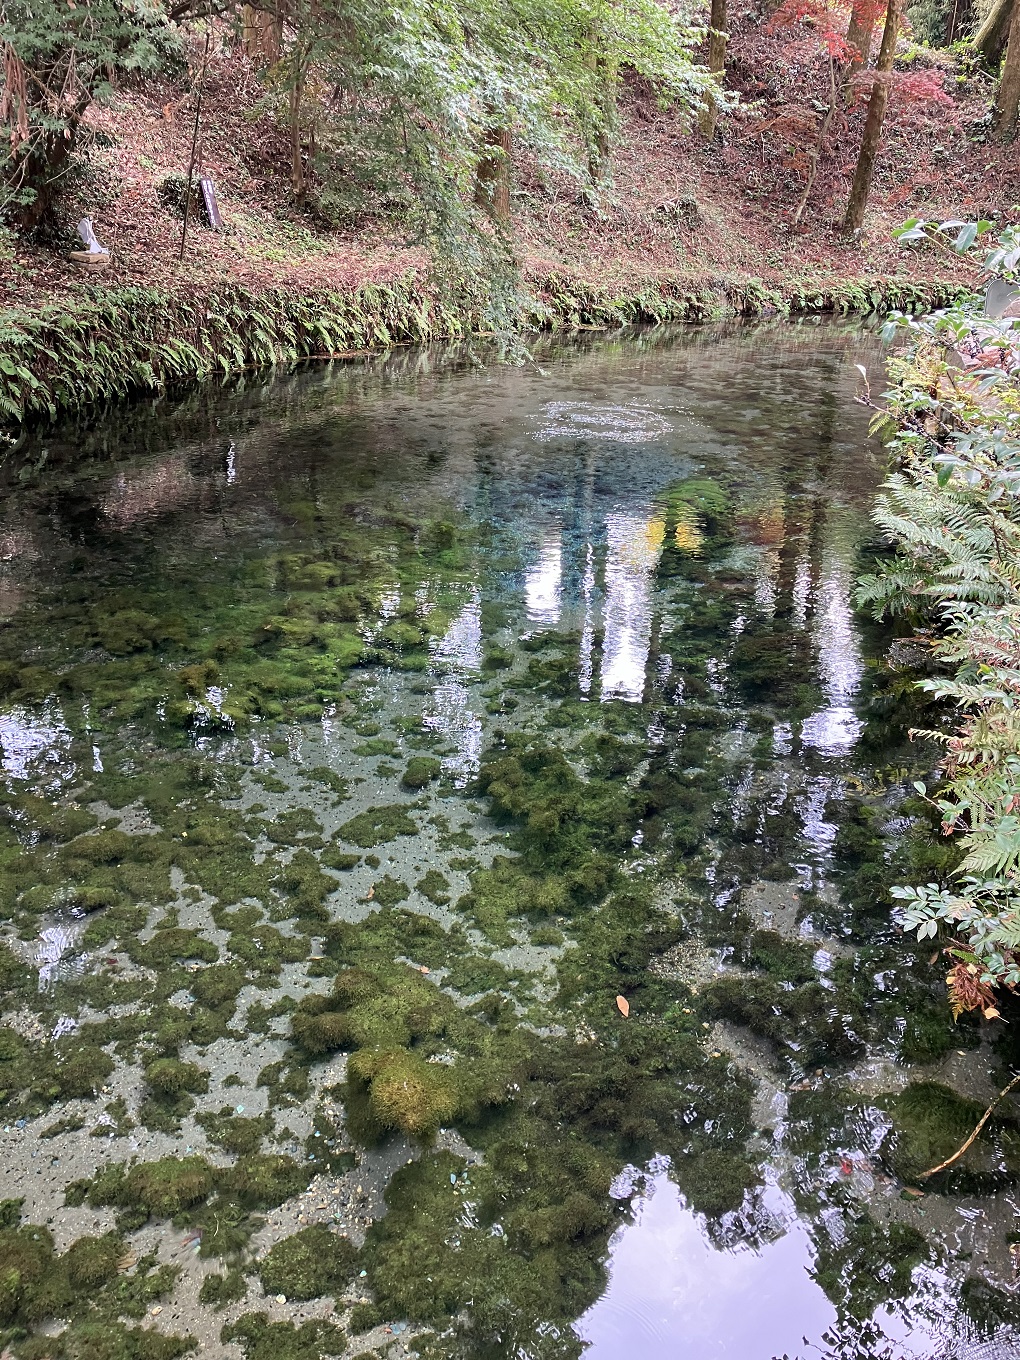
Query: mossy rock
[378, 825]
[311, 1263]
[261, 1339]
[421, 771]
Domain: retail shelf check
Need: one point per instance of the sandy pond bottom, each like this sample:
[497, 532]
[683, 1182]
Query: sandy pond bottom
[450, 816]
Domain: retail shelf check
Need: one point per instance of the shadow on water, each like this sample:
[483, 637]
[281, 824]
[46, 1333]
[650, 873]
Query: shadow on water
[569, 649]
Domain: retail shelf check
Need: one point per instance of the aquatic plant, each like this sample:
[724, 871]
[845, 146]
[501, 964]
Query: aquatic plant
[308, 1264]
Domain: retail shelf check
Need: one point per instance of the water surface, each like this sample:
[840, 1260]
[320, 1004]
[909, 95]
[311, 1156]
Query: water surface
[522, 692]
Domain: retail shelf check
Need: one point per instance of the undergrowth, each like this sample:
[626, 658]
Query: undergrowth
[129, 341]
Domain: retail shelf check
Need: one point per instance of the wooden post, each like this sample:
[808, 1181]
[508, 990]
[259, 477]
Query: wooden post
[492, 178]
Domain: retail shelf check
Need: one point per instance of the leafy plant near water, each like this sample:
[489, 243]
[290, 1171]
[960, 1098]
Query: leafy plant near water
[127, 341]
[952, 508]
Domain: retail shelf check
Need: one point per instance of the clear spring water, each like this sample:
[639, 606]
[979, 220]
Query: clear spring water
[648, 541]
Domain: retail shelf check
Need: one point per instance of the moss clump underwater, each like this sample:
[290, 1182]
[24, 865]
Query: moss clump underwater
[930, 1122]
[309, 1264]
[86, 1289]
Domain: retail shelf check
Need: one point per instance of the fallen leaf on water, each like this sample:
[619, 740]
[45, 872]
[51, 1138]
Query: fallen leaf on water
[623, 1005]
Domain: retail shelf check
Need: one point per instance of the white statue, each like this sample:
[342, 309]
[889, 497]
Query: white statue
[87, 234]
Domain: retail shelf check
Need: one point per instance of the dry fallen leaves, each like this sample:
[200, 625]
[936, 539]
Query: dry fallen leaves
[623, 1005]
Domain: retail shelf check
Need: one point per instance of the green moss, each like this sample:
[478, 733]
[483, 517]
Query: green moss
[377, 746]
[930, 1122]
[435, 887]
[805, 1021]
[84, 1072]
[378, 825]
[93, 1261]
[547, 935]
[785, 960]
[389, 891]
[264, 1181]
[322, 774]
[261, 1339]
[395, 1089]
[234, 1133]
[333, 858]
[309, 1264]
[169, 1076]
[218, 985]
[220, 1290]
[421, 771]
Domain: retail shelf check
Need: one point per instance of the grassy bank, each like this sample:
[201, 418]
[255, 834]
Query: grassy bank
[130, 341]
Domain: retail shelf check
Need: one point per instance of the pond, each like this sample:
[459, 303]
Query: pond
[450, 815]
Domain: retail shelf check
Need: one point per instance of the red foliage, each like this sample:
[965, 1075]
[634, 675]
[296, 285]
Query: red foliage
[919, 87]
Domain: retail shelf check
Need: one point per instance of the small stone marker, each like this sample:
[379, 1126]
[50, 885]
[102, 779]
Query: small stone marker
[94, 256]
[212, 208]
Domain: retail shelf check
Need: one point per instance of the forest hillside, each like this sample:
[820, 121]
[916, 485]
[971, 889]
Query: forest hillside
[568, 143]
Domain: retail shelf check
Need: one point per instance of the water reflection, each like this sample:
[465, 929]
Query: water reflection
[566, 498]
[674, 1295]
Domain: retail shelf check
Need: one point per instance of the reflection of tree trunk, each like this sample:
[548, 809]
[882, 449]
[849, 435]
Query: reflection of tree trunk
[990, 38]
[1007, 101]
[492, 177]
[718, 38]
[877, 104]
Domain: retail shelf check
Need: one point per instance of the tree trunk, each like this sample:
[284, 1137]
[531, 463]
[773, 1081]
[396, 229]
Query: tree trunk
[261, 34]
[990, 38]
[492, 178]
[860, 32]
[297, 164]
[877, 104]
[717, 40]
[1007, 101]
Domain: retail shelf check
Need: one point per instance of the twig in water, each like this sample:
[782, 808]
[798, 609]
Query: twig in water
[973, 1137]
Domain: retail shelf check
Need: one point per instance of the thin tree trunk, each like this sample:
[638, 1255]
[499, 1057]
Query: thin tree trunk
[492, 178]
[877, 104]
[1007, 101]
[815, 155]
[990, 38]
[860, 32]
[717, 40]
[297, 165]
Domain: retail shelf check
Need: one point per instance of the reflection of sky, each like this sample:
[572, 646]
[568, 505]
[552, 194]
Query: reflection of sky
[673, 1296]
[457, 656]
[834, 729]
[633, 544]
[34, 744]
[544, 580]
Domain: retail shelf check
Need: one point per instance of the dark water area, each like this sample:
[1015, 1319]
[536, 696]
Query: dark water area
[450, 811]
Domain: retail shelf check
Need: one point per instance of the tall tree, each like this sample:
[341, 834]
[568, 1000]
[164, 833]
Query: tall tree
[718, 37]
[990, 38]
[57, 57]
[872, 136]
[1007, 101]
